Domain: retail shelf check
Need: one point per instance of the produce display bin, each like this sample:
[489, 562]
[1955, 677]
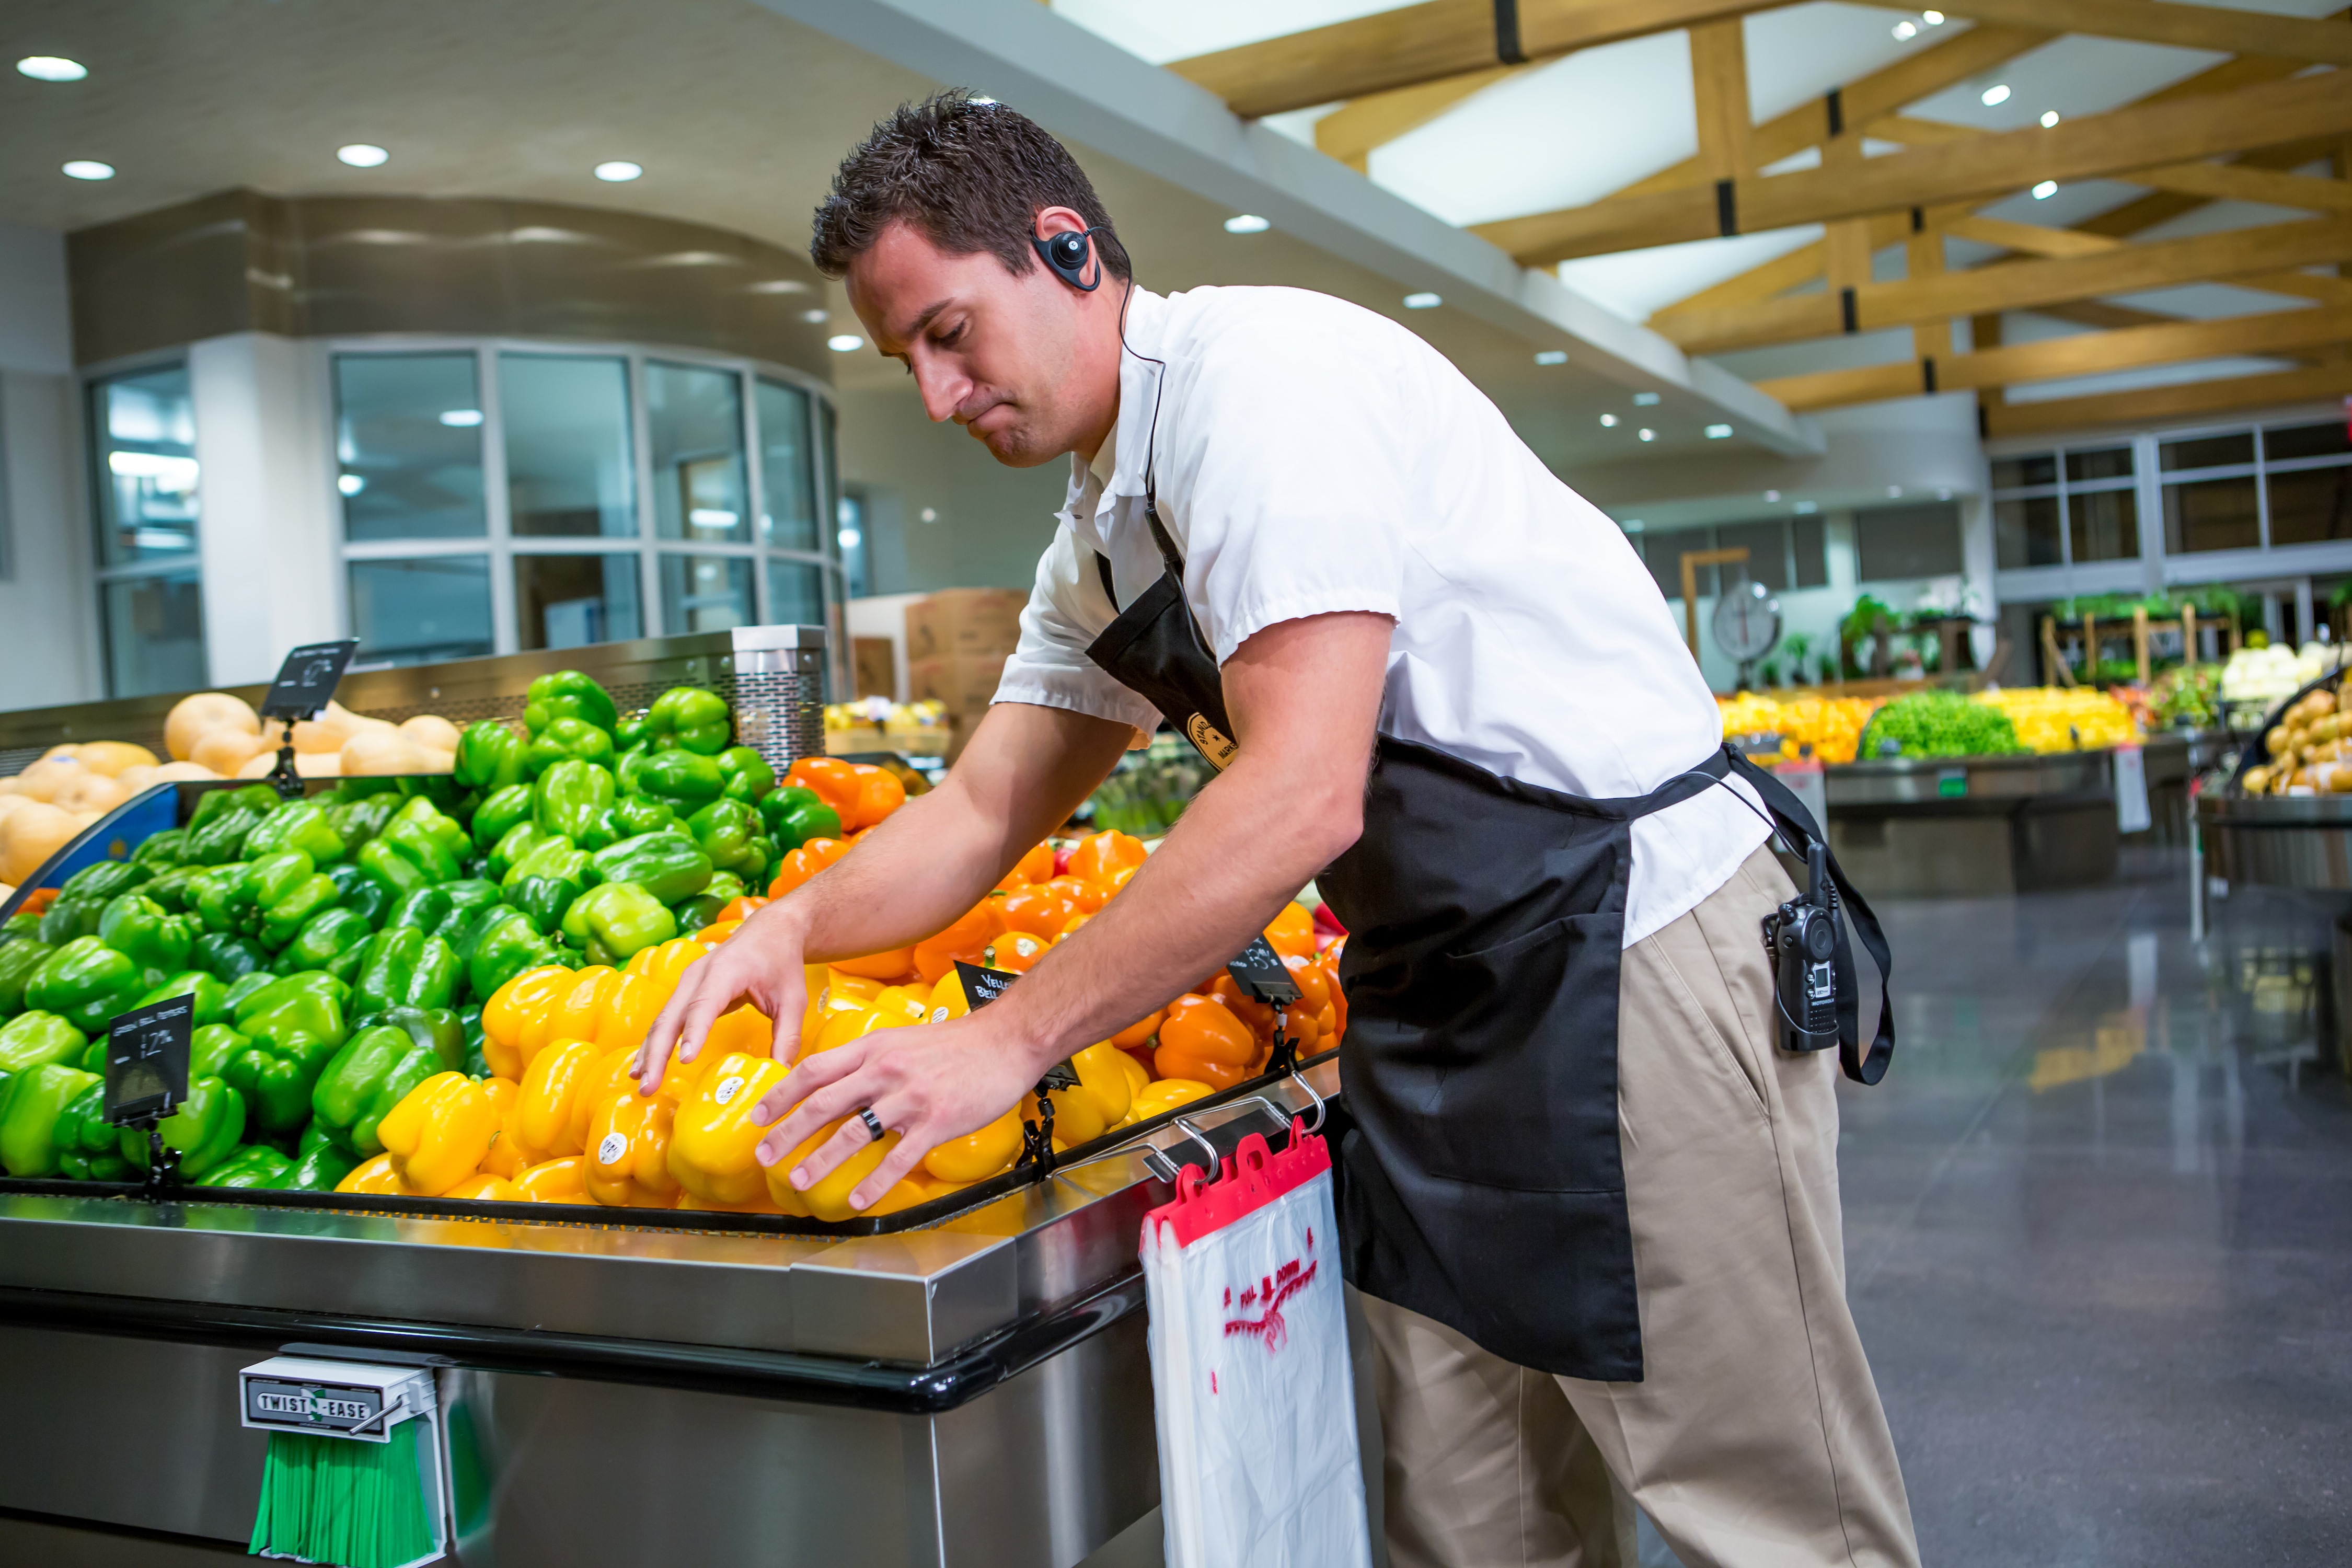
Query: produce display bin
[1975, 826]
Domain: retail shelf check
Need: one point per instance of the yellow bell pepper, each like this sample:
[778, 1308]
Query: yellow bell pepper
[664, 962]
[948, 1000]
[505, 1158]
[1138, 1077]
[976, 1156]
[543, 1115]
[843, 1028]
[437, 1136]
[628, 1012]
[712, 1137]
[571, 1013]
[563, 1180]
[374, 1175]
[511, 1007]
[1167, 1094]
[829, 1199]
[1102, 1076]
[607, 1076]
[488, 1188]
[843, 986]
[628, 1152]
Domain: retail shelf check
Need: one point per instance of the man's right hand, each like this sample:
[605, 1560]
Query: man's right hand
[761, 964]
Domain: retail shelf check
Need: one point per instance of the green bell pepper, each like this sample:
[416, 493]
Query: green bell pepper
[88, 1146]
[470, 1020]
[668, 865]
[358, 891]
[466, 899]
[794, 815]
[749, 777]
[376, 1068]
[231, 957]
[176, 887]
[105, 879]
[28, 1124]
[357, 820]
[543, 883]
[690, 719]
[18, 958]
[291, 915]
[497, 945]
[726, 829]
[30, 1040]
[570, 799]
[405, 967]
[217, 830]
[241, 899]
[519, 841]
[254, 1167]
[319, 1170]
[401, 869]
[613, 921]
[298, 824]
[295, 1025]
[324, 937]
[425, 834]
[423, 909]
[498, 813]
[162, 850]
[489, 757]
[136, 926]
[68, 917]
[210, 1049]
[567, 694]
[80, 981]
[697, 913]
[206, 1129]
[244, 985]
[685, 778]
[567, 740]
[208, 999]
[635, 814]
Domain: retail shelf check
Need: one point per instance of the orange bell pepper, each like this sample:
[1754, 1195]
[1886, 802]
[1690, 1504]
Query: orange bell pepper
[805, 862]
[835, 782]
[1036, 865]
[1039, 910]
[713, 1136]
[488, 1188]
[1099, 855]
[1118, 880]
[628, 1153]
[1089, 897]
[511, 1007]
[976, 1156]
[1015, 952]
[717, 933]
[896, 964]
[563, 1180]
[879, 794]
[1255, 1015]
[437, 1135]
[544, 1118]
[740, 908]
[1138, 1033]
[1203, 1041]
[935, 957]
[1293, 932]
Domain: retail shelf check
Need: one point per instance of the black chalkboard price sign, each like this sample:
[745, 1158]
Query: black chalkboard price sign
[1258, 970]
[147, 1060]
[307, 679]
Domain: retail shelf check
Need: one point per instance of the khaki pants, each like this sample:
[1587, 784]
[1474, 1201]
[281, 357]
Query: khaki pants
[1756, 1437]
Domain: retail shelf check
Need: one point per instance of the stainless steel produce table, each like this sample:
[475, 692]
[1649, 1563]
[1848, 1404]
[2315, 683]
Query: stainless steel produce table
[2277, 841]
[1974, 824]
[974, 1393]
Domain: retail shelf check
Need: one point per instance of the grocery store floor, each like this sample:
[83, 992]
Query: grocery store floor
[2099, 1232]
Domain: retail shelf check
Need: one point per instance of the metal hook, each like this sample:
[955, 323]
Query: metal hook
[1301, 1079]
[1216, 1161]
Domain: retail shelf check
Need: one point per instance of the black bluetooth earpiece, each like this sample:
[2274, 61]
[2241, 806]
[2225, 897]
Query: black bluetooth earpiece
[1064, 256]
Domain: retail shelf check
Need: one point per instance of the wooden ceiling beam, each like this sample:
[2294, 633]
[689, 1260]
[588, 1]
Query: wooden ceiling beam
[2243, 180]
[2173, 22]
[2178, 401]
[1350, 132]
[1727, 130]
[2092, 147]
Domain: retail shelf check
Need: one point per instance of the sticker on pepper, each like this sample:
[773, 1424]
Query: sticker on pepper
[727, 1090]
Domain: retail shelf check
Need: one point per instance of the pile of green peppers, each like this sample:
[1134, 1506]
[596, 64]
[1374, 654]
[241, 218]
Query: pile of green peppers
[338, 949]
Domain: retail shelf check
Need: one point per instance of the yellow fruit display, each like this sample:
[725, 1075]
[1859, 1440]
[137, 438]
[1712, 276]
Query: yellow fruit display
[1831, 726]
[2064, 719]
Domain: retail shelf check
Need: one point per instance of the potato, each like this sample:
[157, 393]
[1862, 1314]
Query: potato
[226, 751]
[2321, 702]
[64, 750]
[319, 765]
[110, 757]
[29, 835]
[44, 778]
[13, 801]
[379, 752]
[139, 779]
[2256, 778]
[2277, 741]
[431, 731]
[91, 792]
[194, 718]
[261, 763]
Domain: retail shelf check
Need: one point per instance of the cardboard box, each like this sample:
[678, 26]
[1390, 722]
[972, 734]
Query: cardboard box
[965, 683]
[964, 622]
[875, 660]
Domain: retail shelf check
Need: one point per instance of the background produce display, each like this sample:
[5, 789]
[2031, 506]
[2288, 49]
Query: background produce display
[2306, 750]
[2065, 717]
[432, 985]
[1831, 726]
[1938, 724]
[1935, 723]
[2258, 678]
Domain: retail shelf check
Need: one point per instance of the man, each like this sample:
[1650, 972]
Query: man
[1592, 1208]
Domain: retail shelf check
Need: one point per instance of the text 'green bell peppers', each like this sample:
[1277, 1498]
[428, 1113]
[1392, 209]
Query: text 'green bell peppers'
[567, 694]
[567, 740]
[616, 919]
[82, 982]
[570, 801]
[728, 832]
[749, 777]
[137, 927]
[30, 1039]
[295, 1025]
[88, 1146]
[206, 1130]
[496, 816]
[794, 815]
[217, 829]
[685, 779]
[30, 1124]
[254, 1167]
[297, 825]
[405, 967]
[19, 957]
[668, 865]
[373, 1072]
[689, 719]
[489, 757]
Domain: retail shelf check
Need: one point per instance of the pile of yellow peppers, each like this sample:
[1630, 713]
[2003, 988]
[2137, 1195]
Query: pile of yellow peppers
[1831, 725]
[559, 1120]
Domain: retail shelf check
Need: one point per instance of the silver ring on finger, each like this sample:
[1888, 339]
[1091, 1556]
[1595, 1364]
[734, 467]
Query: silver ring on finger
[873, 1124]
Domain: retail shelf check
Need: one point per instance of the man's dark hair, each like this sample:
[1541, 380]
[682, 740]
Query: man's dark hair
[969, 174]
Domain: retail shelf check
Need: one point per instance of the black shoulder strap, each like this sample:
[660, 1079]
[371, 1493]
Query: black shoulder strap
[1798, 823]
[1102, 570]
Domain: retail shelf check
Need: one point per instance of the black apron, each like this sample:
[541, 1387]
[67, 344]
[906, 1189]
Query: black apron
[1481, 1183]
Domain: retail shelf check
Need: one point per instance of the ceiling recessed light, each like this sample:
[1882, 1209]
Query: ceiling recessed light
[1647, 434]
[850, 538]
[89, 169]
[461, 418]
[1423, 301]
[1806, 506]
[1906, 31]
[1551, 356]
[2049, 118]
[1645, 400]
[51, 68]
[845, 342]
[1995, 95]
[816, 318]
[930, 514]
[351, 484]
[1771, 495]
[1609, 422]
[2045, 190]
[1895, 490]
[1717, 431]
[362, 154]
[620, 171]
[1932, 18]
[1246, 223]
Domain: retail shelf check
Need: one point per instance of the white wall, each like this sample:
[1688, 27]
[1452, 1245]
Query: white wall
[991, 522]
[48, 606]
[268, 537]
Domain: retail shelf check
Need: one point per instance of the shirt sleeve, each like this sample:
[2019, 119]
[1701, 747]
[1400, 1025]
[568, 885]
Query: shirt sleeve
[1291, 466]
[1050, 667]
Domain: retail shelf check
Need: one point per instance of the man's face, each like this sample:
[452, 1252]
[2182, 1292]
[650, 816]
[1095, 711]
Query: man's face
[998, 353]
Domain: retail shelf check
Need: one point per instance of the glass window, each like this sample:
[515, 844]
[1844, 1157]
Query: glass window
[850, 513]
[154, 634]
[1900, 542]
[787, 478]
[2289, 442]
[570, 601]
[421, 609]
[694, 418]
[2207, 452]
[795, 593]
[2015, 473]
[1806, 539]
[2218, 514]
[2107, 463]
[408, 441]
[1768, 551]
[2308, 505]
[2103, 524]
[147, 467]
[705, 592]
[567, 436]
[2025, 532]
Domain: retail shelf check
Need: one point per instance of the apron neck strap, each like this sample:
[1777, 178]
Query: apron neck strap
[1168, 552]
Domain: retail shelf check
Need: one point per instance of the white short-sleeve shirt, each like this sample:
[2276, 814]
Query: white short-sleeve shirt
[1311, 457]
